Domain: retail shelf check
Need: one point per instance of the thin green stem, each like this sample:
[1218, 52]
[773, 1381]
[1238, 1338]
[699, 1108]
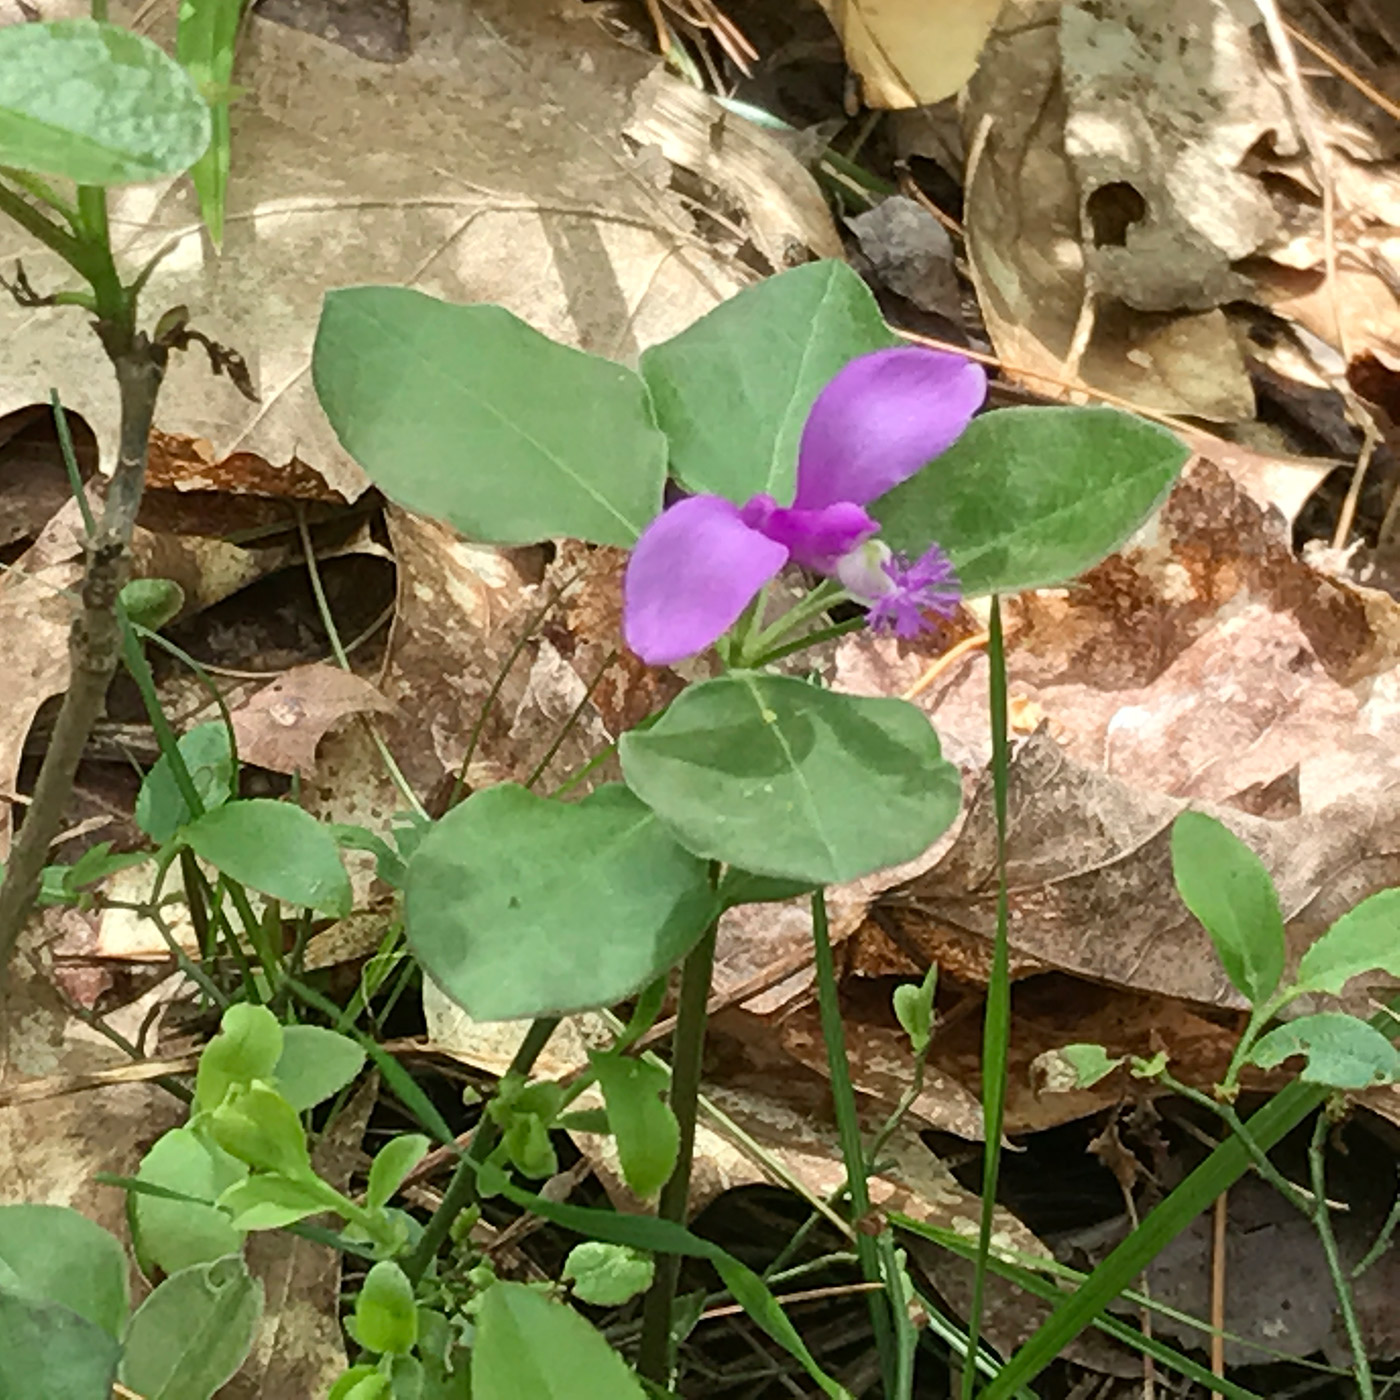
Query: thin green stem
[1225, 1165]
[843, 1097]
[1382, 1240]
[461, 1190]
[567, 727]
[687, 1059]
[323, 608]
[52, 235]
[811, 639]
[70, 464]
[498, 684]
[41, 190]
[1321, 1216]
[99, 267]
[996, 1025]
[819, 601]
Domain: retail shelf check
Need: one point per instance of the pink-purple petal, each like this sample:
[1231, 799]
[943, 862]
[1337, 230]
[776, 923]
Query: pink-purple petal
[816, 538]
[882, 418]
[694, 570]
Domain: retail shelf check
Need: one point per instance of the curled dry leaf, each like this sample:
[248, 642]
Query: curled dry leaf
[331, 192]
[784, 208]
[279, 726]
[910, 53]
[1108, 198]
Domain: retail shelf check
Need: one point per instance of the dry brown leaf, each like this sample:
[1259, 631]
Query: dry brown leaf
[909, 53]
[51, 1150]
[443, 172]
[279, 726]
[1106, 201]
[786, 213]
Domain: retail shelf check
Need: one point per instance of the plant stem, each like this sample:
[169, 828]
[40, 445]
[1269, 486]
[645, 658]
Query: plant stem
[461, 1190]
[996, 1024]
[843, 1096]
[65, 244]
[687, 1060]
[1322, 1223]
[95, 641]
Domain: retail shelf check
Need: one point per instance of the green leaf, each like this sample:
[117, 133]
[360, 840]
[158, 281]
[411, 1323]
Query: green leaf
[160, 809]
[1078, 1066]
[205, 35]
[913, 1009]
[151, 602]
[76, 1359]
[362, 1382]
[177, 1234]
[1229, 889]
[1365, 939]
[315, 1064]
[529, 1346]
[247, 1047]
[55, 1254]
[607, 1275]
[1029, 497]
[789, 780]
[193, 1332]
[391, 1164]
[1342, 1051]
[386, 1317]
[732, 392]
[95, 103]
[467, 414]
[258, 1126]
[647, 1134]
[268, 1202]
[520, 906]
[277, 849]
[744, 887]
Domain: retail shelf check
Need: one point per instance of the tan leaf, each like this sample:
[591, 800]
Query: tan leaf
[486, 166]
[279, 726]
[909, 53]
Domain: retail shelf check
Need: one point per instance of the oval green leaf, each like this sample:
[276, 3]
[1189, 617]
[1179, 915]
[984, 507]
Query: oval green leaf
[519, 906]
[607, 1275]
[527, 1345]
[276, 849]
[732, 391]
[190, 1336]
[1030, 497]
[1342, 1051]
[315, 1064]
[784, 779]
[467, 414]
[55, 1254]
[177, 1234]
[1365, 939]
[391, 1164]
[76, 1359]
[386, 1316]
[646, 1131]
[1229, 889]
[161, 810]
[95, 103]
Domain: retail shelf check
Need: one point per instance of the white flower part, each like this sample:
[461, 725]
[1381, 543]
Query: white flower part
[862, 572]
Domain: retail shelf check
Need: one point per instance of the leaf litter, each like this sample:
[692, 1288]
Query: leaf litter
[1206, 662]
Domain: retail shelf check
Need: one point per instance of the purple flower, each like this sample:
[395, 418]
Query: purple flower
[700, 563]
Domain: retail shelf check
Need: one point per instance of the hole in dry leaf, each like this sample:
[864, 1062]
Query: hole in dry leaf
[1113, 210]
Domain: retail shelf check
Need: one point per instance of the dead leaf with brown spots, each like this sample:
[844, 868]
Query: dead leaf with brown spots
[279, 726]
